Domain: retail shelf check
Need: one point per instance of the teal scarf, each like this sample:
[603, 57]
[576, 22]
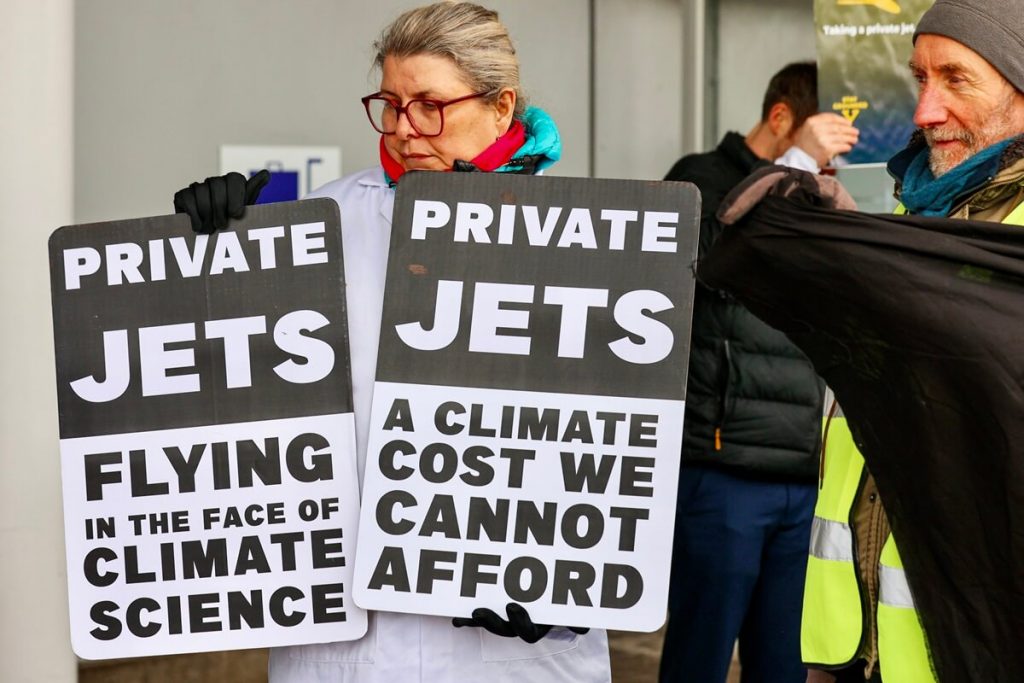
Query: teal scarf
[543, 143]
[925, 195]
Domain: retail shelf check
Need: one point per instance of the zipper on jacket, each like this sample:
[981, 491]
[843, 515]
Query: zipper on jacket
[727, 384]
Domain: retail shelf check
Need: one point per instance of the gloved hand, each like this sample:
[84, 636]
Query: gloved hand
[211, 203]
[519, 624]
[793, 184]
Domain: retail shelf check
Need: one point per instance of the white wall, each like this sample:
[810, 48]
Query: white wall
[35, 198]
[755, 39]
[161, 85]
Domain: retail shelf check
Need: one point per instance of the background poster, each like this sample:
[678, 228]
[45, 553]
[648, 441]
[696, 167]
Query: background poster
[863, 50]
[206, 432]
[528, 407]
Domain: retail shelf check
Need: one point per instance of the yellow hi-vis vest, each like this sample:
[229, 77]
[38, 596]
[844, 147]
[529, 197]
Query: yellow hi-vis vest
[833, 612]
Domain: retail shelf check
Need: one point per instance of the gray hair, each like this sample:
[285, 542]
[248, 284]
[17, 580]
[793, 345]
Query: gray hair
[468, 34]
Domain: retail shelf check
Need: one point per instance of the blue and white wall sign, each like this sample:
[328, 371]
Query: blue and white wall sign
[295, 171]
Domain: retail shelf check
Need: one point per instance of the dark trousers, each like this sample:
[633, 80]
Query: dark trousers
[738, 568]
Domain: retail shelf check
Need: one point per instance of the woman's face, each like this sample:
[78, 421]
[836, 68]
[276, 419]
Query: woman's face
[470, 126]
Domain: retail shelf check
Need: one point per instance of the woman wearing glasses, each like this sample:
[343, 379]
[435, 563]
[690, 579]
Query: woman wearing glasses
[449, 99]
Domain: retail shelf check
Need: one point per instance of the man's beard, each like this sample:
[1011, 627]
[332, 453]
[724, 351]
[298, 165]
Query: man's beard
[997, 127]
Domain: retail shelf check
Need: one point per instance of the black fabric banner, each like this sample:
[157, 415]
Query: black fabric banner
[916, 325]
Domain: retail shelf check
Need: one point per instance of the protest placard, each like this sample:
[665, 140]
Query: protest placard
[528, 406]
[206, 432]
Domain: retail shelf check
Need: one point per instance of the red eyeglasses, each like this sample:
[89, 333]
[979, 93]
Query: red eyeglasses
[426, 116]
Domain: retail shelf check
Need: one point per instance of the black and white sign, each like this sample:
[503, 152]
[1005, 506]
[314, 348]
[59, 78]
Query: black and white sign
[528, 408]
[206, 433]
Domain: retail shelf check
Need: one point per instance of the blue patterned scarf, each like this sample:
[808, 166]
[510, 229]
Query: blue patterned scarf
[925, 195]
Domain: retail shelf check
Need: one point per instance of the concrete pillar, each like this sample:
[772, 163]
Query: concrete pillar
[36, 74]
[694, 76]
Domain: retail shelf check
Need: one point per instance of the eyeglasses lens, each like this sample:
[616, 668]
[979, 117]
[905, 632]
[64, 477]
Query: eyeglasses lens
[424, 116]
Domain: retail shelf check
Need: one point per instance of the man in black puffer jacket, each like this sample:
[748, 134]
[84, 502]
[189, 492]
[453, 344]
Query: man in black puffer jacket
[752, 431]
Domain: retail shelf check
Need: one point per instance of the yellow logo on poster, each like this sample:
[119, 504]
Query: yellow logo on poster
[890, 6]
[850, 107]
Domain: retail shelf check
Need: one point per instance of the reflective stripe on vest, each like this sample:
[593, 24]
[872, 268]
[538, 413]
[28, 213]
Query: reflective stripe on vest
[893, 589]
[831, 540]
[901, 644]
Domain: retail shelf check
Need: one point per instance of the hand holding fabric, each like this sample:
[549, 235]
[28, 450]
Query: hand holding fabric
[519, 624]
[811, 188]
[211, 203]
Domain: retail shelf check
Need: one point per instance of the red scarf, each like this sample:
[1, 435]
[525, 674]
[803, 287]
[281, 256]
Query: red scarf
[495, 156]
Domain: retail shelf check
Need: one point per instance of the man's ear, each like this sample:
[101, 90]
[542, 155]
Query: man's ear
[780, 120]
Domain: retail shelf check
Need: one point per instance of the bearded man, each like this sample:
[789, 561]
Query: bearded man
[966, 161]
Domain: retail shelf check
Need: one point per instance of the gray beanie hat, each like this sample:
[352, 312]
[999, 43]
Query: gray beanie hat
[992, 28]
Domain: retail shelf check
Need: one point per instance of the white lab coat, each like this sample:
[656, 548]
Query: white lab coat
[408, 648]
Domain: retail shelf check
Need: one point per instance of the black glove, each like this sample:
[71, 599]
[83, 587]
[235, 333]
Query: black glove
[519, 624]
[211, 203]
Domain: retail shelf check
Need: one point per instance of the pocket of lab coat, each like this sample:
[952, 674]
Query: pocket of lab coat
[499, 648]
